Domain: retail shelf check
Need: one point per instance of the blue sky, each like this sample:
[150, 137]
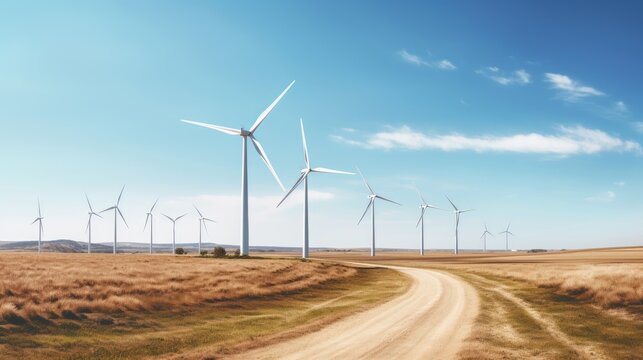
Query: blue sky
[527, 112]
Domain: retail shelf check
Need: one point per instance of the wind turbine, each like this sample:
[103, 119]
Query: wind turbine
[245, 134]
[150, 216]
[371, 204]
[457, 213]
[39, 221]
[484, 237]
[304, 178]
[423, 208]
[174, 220]
[91, 213]
[117, 211]
[507, 233]
[202, 220]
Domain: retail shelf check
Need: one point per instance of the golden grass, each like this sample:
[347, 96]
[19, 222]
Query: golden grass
[53, 286]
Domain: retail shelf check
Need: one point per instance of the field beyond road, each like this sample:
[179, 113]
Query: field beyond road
[135, 306]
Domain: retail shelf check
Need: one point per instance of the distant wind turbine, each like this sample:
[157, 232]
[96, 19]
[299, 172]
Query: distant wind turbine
[245, 134]
[202, 220]
[457, 213]
[304, 178]
[39, 221]
[484, 237]
[91, 213]
[150, 216]
[423, 207]
[174, 220]
[117, 212]
[371, 204]
[507, 233]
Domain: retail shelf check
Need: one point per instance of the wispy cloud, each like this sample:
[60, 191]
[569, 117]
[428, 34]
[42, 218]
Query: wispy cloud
[604, 197]
[566, 141]
[638, 126]
[620, 107]
[569, 89]
[620, 183]
[518, 77]
[443, 64]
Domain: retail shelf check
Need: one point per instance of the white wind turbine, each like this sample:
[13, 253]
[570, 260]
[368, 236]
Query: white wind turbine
[174, 220]
[39, 221]
[371, 204]
[117, 212]
[91, 213]
[484, 237]
[245, 134]
[304, 178]
[457, 213]
[507, 233]
[202, 220]
[150, 216]
[423, 207]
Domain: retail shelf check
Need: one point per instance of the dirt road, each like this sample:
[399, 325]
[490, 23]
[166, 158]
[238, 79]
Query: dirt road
[430, 321]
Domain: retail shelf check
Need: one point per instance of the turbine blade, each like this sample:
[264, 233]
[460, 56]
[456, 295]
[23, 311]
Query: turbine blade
[452, 204]
[463, 211]
[169, 218]
[197, 210]
[420, 219]
[146, 219]
[223, 129]
[420, 195]
[434, 207]
[87, 227]
[385, 199]
[303, 139]
[35, 221]
[109, 208]
[122, 217]
[153, 206]
[119, 196]
[331, 171]
[264, 156]
[265, 113]
[177, 219]
[88, 203]
[301, 178]
[97, 215]
[365, 182]
[206, 228]
[510, 233]
[39, 213]
[210, 220]
[365, 211]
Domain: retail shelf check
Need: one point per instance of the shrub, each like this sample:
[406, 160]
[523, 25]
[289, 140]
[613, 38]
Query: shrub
[218, 252]
[180, 251]
[237, 253]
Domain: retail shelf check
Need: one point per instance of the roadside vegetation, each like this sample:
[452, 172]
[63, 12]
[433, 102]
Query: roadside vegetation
[70, 306]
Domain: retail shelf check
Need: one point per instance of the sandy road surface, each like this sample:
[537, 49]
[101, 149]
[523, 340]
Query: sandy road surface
[430, 321]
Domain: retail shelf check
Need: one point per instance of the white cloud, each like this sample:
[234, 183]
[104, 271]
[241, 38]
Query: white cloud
[638, 126]
[570, 89]
[620, 107]
[604, 197]
[519, 77]
[348, 130]
[620, 183]
[443, 64]
[567, 141]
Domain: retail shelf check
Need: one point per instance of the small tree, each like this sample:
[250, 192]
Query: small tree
[237, 253]
[218, 252]
[204, 252]
[180, 251]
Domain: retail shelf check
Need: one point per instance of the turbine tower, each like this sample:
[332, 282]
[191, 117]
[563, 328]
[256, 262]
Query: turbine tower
[117, 212]
[174, 220]
[39, 221]
[91, 213]
[245, 134]
[423, 207]
[371, 204]
[457, 213]
[484, 237]
[304, 178]
[202, 220]
[507, 233]
[150, 216]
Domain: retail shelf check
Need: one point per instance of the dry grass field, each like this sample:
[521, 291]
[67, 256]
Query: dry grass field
[75, 306]
[561, 305]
